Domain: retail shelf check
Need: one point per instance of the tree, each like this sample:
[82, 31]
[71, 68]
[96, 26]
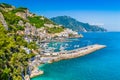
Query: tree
[13, 59]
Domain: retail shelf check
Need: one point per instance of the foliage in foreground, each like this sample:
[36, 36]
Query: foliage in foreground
[13, 59]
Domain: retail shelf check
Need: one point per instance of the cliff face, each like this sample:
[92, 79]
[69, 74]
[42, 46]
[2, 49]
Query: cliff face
[75, 25]
[2, 20]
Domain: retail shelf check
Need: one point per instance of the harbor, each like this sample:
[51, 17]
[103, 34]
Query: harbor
[57, 56]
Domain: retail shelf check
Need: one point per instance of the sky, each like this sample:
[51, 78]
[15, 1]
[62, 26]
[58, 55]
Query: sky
[105, 13]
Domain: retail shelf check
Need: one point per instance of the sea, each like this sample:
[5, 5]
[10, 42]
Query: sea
[103, 64]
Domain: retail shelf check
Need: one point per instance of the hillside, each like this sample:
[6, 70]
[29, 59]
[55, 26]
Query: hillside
[75, 25]
[21, 33]
[20, 16]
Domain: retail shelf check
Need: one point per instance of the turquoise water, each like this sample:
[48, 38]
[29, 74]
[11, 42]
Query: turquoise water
[100, 65]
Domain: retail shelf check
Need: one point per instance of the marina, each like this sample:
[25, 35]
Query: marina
[57, 56]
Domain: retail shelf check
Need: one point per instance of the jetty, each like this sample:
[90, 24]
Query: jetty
[57, 56]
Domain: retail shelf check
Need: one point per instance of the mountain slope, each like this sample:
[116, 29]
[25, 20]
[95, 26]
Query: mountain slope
[11, 16]
[21, 33]
[75, 25]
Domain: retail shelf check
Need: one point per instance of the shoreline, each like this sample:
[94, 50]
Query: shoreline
[63, 56]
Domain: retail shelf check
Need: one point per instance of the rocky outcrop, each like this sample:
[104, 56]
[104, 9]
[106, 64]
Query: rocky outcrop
[24, 14]
[2, 20]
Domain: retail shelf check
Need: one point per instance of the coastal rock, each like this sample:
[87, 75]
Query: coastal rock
[2, 20]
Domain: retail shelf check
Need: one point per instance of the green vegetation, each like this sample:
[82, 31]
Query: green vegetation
[4, 5]
[11, 18]
[12, 21]
[32, 45]
[38, 22]
[13, 47]
[55, 29]
[20, 27]
[16, 28]
[13, 59]
[20, 9]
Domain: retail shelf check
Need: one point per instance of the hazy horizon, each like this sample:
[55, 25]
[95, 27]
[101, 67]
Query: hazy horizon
[99, 12]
